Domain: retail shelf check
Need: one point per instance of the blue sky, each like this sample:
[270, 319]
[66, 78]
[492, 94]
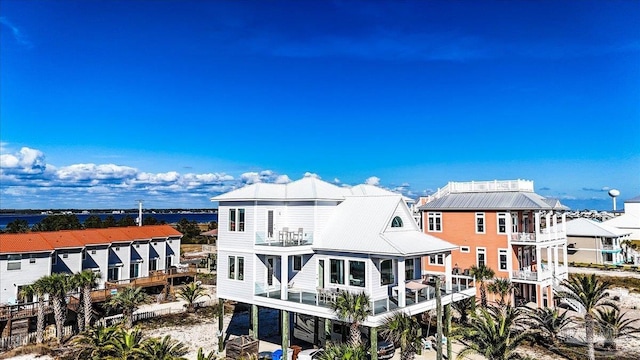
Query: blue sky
[106, 102]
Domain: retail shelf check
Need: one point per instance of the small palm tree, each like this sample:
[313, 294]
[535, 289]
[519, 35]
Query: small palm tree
[127, 345]
[57, 285]
[503, 288]
[592, 294]
[482, 273]
[94, 344]
[128, 300]
[343, 351]
[614, 325]
[204, 356]
[191, 293]
[464, 307]
[165, 349]
[404, 331]
[548, 323]
[86, 281]
[37, 289]
[495, 333]
[352, 308]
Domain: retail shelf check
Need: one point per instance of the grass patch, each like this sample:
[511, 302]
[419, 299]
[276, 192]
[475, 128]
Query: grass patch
[633, 284]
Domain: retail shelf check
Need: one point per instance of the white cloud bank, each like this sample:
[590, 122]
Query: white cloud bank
[29, 182]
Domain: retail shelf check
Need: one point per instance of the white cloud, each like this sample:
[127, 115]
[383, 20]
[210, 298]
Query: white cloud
[250, 178]
[373, 180]
[282, 179]
[310, 174]
[336, 181]
[26, 161]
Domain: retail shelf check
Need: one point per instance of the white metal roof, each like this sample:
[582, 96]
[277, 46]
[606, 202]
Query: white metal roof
[627, 221]
[490, 201]
[587, 227]
[360, 224]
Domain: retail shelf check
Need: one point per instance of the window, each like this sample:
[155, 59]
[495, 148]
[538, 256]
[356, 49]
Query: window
[138, 245]
[437, 259]
[502, 223]
[525, 223]
[480, 223]
[409, 269]
[396, 222]
[14, 262]
[337, 271]
[435, 221]
[153, 264]
[502, 259]
[65, 255]
[514, 223]
[232, 267]
[32, 259]
[117, 248]
[113, 274]
[93, 252]
[356, 273]
[240, 268]
[297, 263]
[236, 219]
[464, 249]
[481, 256]
[386, 272]
[134, 271]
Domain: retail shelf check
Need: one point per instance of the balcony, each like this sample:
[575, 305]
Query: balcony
[417, 292]
[610, 248]
[535, 238]
[285, 238]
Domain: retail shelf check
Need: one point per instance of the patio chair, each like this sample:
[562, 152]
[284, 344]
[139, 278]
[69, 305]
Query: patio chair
[284, 234]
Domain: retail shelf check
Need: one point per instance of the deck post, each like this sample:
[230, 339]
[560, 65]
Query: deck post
[285, 333]
[220, 325]
[373, 336]
[254, 321]
[447, 328]
[438, 320]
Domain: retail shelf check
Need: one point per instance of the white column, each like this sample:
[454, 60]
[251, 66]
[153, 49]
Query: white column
[538, 263]
[555, 225]
[401, 285]
[555, 258]
[564, 223]
[549, 257]
[537, 223]
[547, 222]
[448, 268]
[284, 277]
[564, 256]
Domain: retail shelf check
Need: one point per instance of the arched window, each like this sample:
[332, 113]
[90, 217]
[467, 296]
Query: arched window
[396, 222]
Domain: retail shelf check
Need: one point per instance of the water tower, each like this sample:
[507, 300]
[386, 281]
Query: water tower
[614, 194]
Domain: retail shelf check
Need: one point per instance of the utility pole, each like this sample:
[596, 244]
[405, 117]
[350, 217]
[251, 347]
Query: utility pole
[139, 212]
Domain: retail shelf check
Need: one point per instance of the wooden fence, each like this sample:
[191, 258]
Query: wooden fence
[25, 339]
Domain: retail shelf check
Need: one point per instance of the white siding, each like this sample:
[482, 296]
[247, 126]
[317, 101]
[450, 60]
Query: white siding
[240, 290]
[238, 240]
[99, 261]
[28, 273]
[306, 278]
[159, 247]
[68, 261]
[142, 248]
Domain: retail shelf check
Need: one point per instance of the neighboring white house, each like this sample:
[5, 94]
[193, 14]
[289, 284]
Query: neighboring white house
[293, 246]
[589, 241]
[119, 254]
[630, 220]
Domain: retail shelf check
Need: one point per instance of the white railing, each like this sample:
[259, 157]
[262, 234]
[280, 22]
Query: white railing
[531, 275]
[482, 186]
[209, 248]
[538, 237]
[14, 341]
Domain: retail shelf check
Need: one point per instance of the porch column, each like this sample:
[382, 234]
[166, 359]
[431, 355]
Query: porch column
[555, 225]
[285, 333]
[555, 259]
[401, 285]
[254, 321]
[537, 223]
[448, 272]
[564, 256]
[538, 263]
[549, 257]
[284, 277]
[547, 221]
[564, 223]
[373, 336]
[220, 325]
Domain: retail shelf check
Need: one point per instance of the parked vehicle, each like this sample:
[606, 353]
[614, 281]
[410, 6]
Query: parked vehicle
[310, 354]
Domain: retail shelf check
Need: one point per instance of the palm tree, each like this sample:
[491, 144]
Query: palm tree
[191, 293]
[165, 349]
[482, 273]
[503, 288]
[549, 322]
[87, 280]
[352, 308]
[495, 333]
[57, 285]
[204, 356]
[38, 290]
[464, 307]
[404, 331]
[128, 300]
[591, 294]
[94, 344]
[128, 345]
[343, 351]
[614, 325]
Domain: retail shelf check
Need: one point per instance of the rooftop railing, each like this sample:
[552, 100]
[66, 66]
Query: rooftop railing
[483, 186]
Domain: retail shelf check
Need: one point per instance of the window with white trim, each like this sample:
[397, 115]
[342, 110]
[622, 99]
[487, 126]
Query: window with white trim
[65, 255]
[480, 223]
[502, 223]
[32, 259]
[356, 273]
[437, 259]
[514, 223]
[481, 256]
[409, 269]
[386, 272]
[14, 262]
[240, 268]
[464, 249]
[236, 220]
[434, 220]
[502, 259]
[297, 262]
[336, 271]
[232, 267]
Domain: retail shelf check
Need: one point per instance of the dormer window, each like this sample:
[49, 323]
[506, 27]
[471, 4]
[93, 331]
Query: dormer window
[396, 222]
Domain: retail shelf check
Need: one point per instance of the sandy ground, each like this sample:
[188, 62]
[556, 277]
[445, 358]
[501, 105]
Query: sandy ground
[204, 334]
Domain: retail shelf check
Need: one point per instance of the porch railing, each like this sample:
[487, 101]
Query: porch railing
[284, 238]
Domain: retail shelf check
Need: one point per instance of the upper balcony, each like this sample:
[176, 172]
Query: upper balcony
[285, 238]
[483, 186]
[532, 238]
